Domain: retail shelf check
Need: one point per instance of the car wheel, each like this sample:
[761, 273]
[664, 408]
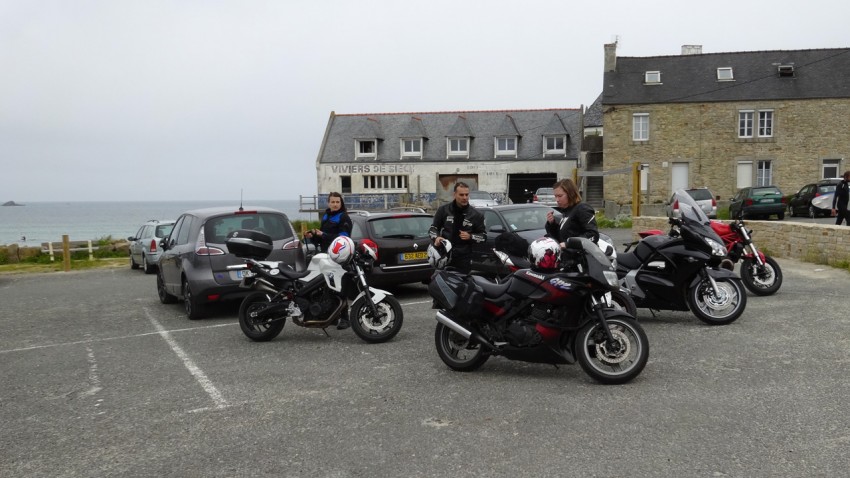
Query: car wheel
[781, 215]
[791, 211]
[147, 266]
[133, 264]
[190, 303]
[162, 292]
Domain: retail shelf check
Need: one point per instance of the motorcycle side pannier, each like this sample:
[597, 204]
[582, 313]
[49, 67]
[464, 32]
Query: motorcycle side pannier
[251, 244]
[457, 293]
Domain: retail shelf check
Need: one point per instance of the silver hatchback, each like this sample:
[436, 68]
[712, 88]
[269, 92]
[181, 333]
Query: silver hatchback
[144, 246]
[703, 197]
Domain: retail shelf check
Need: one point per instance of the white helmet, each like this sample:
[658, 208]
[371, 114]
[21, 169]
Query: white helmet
[438, 257]
[341, 250]
[544, 254]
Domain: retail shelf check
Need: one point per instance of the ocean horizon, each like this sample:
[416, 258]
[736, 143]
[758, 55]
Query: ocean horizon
[32, 223]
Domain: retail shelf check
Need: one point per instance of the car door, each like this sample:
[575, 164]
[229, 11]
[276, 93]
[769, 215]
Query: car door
[135, 249]
[169, 262]
[483, 258]
[737, 203]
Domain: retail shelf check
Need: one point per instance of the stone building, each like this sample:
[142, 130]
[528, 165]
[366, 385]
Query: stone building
[387, 159]
[725, 120]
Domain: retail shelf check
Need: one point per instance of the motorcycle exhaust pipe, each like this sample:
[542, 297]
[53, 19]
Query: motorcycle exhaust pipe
[467, 334]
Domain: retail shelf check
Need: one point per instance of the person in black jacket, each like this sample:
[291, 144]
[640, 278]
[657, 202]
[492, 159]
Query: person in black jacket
[335, 223]
[579, 219]
[840, 199]
[462, 225]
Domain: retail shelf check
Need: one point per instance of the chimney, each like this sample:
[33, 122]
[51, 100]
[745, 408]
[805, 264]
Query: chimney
[611, 56]
[691, 49]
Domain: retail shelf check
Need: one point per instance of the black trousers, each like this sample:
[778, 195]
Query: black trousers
[461, 263]
[842, 215]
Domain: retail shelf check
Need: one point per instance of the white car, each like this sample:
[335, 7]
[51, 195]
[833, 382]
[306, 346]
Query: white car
[481, 199]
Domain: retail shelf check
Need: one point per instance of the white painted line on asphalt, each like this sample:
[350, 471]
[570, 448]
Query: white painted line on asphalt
[417, 303]
[94, 378]
[196, 372]
[106, 339]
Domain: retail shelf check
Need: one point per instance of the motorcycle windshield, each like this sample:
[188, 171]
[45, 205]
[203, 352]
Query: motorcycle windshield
[694, 218]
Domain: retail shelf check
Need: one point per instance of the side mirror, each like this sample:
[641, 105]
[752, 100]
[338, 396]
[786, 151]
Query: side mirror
[131, 238]
[164, 244]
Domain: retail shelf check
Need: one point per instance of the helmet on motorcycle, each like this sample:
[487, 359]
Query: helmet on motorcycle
[438, 257]
[369, 248]
[341, 250]
[544, 254]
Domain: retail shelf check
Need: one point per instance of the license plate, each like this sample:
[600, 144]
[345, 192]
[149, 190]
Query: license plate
[767, 200]
[240, 273]
[413, 256]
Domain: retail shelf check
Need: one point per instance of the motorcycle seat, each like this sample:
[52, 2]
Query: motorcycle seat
[491, 290]
[292, 274]
[644, 249]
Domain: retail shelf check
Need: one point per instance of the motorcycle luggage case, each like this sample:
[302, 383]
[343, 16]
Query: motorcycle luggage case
[251, 244]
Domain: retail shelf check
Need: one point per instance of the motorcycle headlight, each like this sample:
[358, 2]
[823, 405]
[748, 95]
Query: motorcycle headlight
[611, 277]
[717, 249]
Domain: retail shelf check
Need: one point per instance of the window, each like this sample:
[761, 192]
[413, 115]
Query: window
[652, 77]
[725, 74]
[506, 146]
[640, 127]
[831, 168]
[411, 148]
[745, 124]
[554, 144]
[385, 182]
[766, 123]
[764, 173]
[457, 147]
[345, 184]
[366, 149]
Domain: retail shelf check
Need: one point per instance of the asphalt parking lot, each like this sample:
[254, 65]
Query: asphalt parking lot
[100, 379]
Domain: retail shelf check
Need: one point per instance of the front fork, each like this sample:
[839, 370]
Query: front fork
[597, 307]
[748, 244]
[364, 286]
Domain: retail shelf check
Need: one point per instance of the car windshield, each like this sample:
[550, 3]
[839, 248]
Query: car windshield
[526, 219]
[479, 195]
[401, 227]
[276, 226]
[689, 209]
[768, 191]
[700, 194]
[163, 230]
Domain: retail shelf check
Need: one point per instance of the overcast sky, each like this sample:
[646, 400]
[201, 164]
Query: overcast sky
[182, 100]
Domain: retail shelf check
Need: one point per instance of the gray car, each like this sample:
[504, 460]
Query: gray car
[144, 246]
[194, 263]
[703, 197]
[545, 196]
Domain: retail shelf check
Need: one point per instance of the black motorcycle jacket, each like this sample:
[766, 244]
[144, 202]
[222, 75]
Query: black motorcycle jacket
[842, 196]
[333, 225]
[450, 219]
[579, 221]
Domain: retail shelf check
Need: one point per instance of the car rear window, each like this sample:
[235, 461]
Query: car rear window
[758, 192]
[275, 225]
[700, 194]
[401, 227]
[826, 188]
[163, 230]
[548, 191]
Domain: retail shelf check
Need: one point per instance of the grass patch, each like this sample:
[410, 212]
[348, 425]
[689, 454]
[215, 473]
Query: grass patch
[622, 221]
[58, 266]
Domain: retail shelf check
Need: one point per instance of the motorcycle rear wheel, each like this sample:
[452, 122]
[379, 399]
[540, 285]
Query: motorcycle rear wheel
[376, 330]
[458, 352]
[620, 363]
[761, 282]
[722, 309]
[259, 329]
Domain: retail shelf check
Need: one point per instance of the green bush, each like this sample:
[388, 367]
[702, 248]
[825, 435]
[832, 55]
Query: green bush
[298, 223]
[621, 221]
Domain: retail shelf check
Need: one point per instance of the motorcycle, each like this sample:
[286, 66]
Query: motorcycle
[556, 317]
[682, 270]
[316, 297]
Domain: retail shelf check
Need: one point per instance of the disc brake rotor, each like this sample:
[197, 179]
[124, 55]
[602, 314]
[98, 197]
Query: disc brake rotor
[371, 323]
[719, 300]
[617, 356]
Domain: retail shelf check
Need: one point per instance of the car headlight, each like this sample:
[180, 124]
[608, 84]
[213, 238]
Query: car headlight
[717, 249]
[611, 277]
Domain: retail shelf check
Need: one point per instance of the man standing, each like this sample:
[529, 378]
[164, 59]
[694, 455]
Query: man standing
[462, 225]
[840, 200]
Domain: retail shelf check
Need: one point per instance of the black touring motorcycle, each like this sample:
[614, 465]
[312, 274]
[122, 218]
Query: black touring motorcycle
[556, 317]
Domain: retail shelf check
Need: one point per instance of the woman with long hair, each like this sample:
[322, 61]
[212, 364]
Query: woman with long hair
[579, 218]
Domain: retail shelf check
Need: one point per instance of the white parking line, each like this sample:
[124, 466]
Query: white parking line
[196, 372]
[417, 303]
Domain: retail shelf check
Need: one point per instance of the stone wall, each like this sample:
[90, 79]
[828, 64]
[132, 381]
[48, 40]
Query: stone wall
[816, 243]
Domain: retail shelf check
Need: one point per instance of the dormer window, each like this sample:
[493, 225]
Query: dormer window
[411, 148]
[506, 146]
[554, 144]
[457, 147]
[785, 71]
[652, 77]
[365, 149]
[725, 74]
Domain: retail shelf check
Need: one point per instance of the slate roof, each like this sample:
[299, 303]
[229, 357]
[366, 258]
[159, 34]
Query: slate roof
[593, 115]
[481, 126]
[821, 73]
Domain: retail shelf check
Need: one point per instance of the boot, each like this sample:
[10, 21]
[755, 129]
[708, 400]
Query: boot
[342, 324]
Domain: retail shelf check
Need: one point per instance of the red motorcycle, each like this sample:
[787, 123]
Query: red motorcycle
[760, 273]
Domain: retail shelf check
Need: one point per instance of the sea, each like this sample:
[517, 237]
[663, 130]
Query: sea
[37, 222]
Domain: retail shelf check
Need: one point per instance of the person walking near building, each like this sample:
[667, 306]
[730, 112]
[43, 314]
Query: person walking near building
[579, 218]
[462, 225]
[840, 206]
[335, 223]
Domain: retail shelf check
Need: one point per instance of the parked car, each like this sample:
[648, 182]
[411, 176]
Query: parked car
[758, 201]
[544, 196]
[703, 197]
[527, 220]
[193, 265]
[144, 245]
[800, 204]
[481, 199]
[402, 239]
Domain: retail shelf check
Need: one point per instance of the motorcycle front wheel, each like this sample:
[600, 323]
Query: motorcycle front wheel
[617, 362]
[259, 329]
[376, 329]
[623, 301]
[719, 308]
[458, 352]
[761, 280]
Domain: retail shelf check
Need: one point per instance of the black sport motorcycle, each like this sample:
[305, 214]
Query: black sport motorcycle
[682, 270]
[558, 317]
